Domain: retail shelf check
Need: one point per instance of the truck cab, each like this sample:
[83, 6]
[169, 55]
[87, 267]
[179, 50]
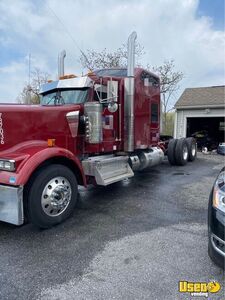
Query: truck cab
[94, 129]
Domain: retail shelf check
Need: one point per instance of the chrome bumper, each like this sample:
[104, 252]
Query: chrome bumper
[11, 204]
[218, 244]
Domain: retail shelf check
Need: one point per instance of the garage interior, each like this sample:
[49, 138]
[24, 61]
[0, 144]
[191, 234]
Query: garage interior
[210, 131]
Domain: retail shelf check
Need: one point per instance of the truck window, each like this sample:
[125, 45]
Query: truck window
[103, 95]
[149, 80]
[75, 96]
[154, 113]
[100, 91]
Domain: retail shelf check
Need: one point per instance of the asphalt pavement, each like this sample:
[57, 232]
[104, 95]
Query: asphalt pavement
[135, 239]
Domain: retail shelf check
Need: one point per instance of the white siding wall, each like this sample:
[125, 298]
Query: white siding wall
[180, 126]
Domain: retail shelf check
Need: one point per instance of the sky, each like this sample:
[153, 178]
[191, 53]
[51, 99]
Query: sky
[189, 31]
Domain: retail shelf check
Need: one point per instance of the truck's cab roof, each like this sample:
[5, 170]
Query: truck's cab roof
[120, 72]
[87, 81]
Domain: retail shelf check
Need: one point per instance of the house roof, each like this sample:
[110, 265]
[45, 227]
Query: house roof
[203, 96]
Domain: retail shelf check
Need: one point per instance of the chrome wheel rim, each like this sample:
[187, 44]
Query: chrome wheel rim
[193, 150]
[185, 152]
[56, 196]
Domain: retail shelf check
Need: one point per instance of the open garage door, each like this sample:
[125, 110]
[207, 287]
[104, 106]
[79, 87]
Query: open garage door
[209, 131]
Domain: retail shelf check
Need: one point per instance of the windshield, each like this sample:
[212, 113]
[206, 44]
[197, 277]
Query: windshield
[60, 97]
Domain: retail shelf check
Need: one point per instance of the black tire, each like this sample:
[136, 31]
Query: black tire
[171, 151]
[192, 148]
[35, 207]
[181, 152]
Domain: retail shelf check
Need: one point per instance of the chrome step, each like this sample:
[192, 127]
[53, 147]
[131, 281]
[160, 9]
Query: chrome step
[107, 169]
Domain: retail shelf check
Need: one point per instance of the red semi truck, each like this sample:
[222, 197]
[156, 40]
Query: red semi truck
[95, 129]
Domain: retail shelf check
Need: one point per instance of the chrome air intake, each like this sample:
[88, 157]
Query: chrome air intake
[93, 122]
[61, 58]
[129, 96]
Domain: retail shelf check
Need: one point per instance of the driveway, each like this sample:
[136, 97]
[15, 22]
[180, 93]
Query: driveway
[132, 240]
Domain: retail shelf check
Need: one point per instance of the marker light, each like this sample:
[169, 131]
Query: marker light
[67, 76]
[51, 142]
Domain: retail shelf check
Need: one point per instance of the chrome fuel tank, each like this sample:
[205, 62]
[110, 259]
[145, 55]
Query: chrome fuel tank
[146, 158]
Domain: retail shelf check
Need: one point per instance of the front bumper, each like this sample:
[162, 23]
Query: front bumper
[11, 204]
[218, 245]
[217, 250]
[216, 223]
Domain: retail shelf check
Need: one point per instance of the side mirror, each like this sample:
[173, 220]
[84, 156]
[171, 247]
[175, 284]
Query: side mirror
[112, 90]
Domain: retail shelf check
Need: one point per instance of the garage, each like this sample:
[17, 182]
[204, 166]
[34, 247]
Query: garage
[211, 128]
[200, 113]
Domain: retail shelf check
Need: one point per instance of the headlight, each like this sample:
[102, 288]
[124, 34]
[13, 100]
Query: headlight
[219, 192]
[7, 165]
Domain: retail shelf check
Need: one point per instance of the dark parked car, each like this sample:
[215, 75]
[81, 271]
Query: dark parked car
[216, 221]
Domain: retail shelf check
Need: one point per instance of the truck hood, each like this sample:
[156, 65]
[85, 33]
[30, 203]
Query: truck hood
[23, 123]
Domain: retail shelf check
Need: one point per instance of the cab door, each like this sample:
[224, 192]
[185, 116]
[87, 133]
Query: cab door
[110, 114]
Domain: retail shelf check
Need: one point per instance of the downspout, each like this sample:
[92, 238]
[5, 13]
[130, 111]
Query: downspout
[129, 95]
[61, 58]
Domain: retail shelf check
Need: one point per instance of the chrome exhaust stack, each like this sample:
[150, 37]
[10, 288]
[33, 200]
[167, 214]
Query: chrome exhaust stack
[129, 95]
[61, 58]
[131, 54]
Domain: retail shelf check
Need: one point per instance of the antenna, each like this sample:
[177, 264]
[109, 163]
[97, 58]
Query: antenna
[29, 59]
[69, 34]
[29, 72]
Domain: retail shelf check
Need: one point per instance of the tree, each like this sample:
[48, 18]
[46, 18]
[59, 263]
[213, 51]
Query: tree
[169, 123]
[169, 77]
[93, 59]
[30, 92]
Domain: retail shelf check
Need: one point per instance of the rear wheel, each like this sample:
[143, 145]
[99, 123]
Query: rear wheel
[181, 152]
[52, 196]
[171, 151]
[192, 148]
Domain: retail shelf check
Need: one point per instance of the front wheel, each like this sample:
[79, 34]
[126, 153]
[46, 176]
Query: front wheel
[52, 196]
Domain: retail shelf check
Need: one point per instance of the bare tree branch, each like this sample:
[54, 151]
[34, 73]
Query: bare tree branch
[103, 59]
[30, 92]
